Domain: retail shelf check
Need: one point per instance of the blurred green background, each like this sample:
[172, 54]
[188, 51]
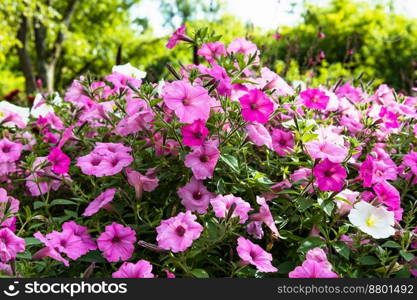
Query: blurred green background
[57, 41]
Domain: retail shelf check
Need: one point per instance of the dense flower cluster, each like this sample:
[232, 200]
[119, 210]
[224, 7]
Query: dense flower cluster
[224, 169]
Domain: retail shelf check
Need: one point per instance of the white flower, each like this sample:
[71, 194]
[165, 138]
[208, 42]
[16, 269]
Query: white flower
[129, 70]
[375, 221]
[40, 107]
[6, 109]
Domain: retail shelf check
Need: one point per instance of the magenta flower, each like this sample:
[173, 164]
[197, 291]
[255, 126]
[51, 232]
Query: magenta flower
[259, 135]
[177, 36]
[211, 51]
[224, 86]
[82, 233]
[253, 254]
[190, 103]
[312, 269]
[49, 250]
[221, 205]
[410, 160]
[282, 141]
[330, 176]
[178, 233]
[194, 134]
[117, 242]
[10, 245]
[388, 195]
[141, 269]
[264, 215]
[9, 151]
[315, 99]
[102, 200]
[374, 170]
[203, 160]
[195, 196]
[59, 160]
[256, 106]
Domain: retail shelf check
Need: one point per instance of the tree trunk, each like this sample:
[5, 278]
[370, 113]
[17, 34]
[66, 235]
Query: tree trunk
[24, 58]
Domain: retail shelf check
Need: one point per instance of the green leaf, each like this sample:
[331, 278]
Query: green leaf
[38, 204]
[407, 256]
[310, 243]
[200, 273]
[304, 203]
[62, 202]
[308, 137]
[368, 260]
[24, 255]
[155, 101]
[342, 249]
[231, 161]
[391, 244]
[32, 241]
[93, 256]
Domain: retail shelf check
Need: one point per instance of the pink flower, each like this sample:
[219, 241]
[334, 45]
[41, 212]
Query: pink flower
[315, 99]
[60, 161]
[211, 51]
[93, 164]
[102, 200]
[117, 242]
[330, 176]
[350, 92]
[82, 233]
[50, 250]
[10, 245]
[410, 160]
[389, 118]
[312, 269]
[194, 134]
[221, 205]
[387, 194]
[259, 135]
[203, 160]
[264, 215]
[178, 233]
[282, 141]
[141, 269]
[195, 196]
[190, 103]
[177, 36]
[256, 106]
[147, 182]
[326, 149]
[374, 170]
[253, 254]
[241, 45]
[9, 151]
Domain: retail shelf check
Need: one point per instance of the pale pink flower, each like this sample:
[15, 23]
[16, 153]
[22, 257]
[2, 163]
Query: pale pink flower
[203, 160]
[195, 196]
[10, 245]
[141, 269]
[259, 135]
[282, 141]
[221, 205]
[264, 215]
[117, 242]
[9, 151]
[101, 201]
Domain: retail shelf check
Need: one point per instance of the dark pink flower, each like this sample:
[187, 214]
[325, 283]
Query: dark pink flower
[59, 160]
[102, 200]
[253, 254]
[82, 233]
[410, 160]
[195, 196]
[177, 36]
[141, 269]
[256, 106]
[387, 194]
[194, 134]
[315, 99]
[330, 176]
[10, 245]
[9, 151]
[203, 160]
[178, 233]
[117, 242]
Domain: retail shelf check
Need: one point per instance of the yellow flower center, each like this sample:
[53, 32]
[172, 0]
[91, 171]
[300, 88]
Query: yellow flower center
[371, 220]
[2, 114]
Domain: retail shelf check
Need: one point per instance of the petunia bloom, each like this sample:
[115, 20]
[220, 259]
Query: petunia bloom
[282, 141]
[141, 269]
[312, 269]
[315, 99]
[195, 196]
[211, 51]
[117, 242]
[102, 200]
[253, 254]
[256, 106]
[264, 215]
[203, 159]
[178, 233]
[222, 204]
[330, 176]
[10, 245]
[60, 161]
[194, 134]
[9, 151]
[177, 36]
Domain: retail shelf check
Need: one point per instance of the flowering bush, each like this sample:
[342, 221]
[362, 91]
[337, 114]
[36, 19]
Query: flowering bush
[224, 171]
